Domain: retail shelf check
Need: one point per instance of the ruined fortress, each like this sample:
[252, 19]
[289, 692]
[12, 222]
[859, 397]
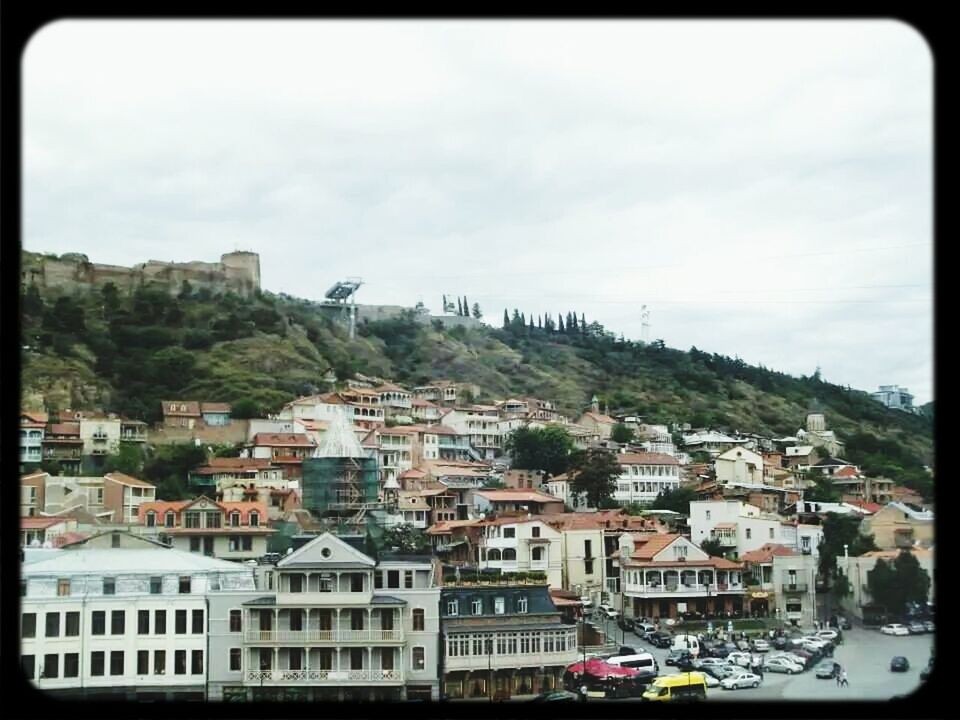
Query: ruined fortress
[238, 272]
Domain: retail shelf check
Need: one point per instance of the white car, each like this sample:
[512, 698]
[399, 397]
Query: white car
[743, 659]
[790, 657]
[608, 611]
[709, 679]
[782, 664]
[817, 642]
[895, 629]
[761, 645]
[706, 662]
[830, 635]
[741, 680]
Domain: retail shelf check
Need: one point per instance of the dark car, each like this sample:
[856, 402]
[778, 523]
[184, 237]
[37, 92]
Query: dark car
[925, 673]
[625, 623]
[844, 623]
[899, 664]
[719, 671]
[780, 642]
[827, 669]
[660, 640]
[916, 627]
[675, 655]
[556, 696]
[627, 650]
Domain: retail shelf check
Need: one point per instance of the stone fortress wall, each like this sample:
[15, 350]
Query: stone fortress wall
[237, 271]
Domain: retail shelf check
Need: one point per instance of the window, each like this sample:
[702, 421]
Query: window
[143, 662]
[117, 622]
[156, 585]
[29, 666]
[196, 662]
[170, 519]
[522, 605]
[180, 662]
[96, 663]
[408, 579]
[296, 619]
[23, 588]
[73, 624]
[191, 519]
[356, 619]
[476, 607]
[296, 583]
[356, 582]
[159, 662]
[499, 605]
[393, 578]
[509, 554]
[535, 531]
[194, 544]
[235, 659]
[143, 622]
[51, 666]
[418, 619]
[771, 533]
[160, 622]
[234, 519]
[115, 540]
[184, 584]
[588, 549]
[680, 551]
[63, 587]
[28, 625]
[180, 622]
[588, 567]
[214, 520]
[537, 554]
[110, 584]
[452, 607]
[197, 622]
[236, 620]
[254, 518]
[509, 532]
[151, 519]
[326, 583]
[749, 532]
[378, 580]
[53, 625]
[116, 662]
[708, 515]
[98, 622]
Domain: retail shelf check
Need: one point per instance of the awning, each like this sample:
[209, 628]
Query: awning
[760, 595]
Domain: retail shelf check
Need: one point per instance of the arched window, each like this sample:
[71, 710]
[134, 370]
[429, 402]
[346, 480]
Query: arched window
[254, 518]
[235, 519]
[509, 554]
[493, 554]
[169, 520]
[537, 554]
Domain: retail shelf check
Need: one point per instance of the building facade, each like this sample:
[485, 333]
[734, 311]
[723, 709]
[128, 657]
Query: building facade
[643, 476]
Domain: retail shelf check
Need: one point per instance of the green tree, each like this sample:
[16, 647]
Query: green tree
[476, 311]
[459, 307]
[621, 433]
[186, 290]
[128, 460]
[546, 449]
[633, 508]
[713, 548]
[839, 531]
[32, 302]
[677, 500]
[506, 319]
[466, 307]
[490, 484]
[168, 468]
[594, 474]
[246, 408]
[407, 538]
[894, 585]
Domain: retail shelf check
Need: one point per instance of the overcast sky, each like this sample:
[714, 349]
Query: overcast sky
[764, 188]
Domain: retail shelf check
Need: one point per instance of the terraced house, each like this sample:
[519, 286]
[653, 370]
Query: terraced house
[339, 625]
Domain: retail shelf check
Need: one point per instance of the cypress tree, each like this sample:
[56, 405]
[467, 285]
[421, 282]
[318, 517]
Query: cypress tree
[506, 319]
[466, 307]
[444, 303]
[583, 324]
[560, 324]
[459, 307]
[531, 321]
[573, 318]
[523, 320]
[540, 322]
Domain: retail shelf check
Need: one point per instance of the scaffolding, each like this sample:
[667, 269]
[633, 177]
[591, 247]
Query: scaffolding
[341, 486]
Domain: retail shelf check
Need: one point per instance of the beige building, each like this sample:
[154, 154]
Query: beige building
[899, 526]
[857, 568]
[739, 465]
[100, 435]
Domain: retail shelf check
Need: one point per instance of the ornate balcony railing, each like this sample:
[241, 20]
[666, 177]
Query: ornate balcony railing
[322, 676]
[324, 636]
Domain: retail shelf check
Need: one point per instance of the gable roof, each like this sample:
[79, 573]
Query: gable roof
[653, 545]
[599, 417]
[215, 407]
[340, 553]
[282, 440]
[766, 552]
[444, 527]
[123, 479]
[229, 463]
[646, 459]
[508, 495]
[173, 408]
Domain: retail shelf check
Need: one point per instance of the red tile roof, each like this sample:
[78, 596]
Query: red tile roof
[67, 428]
[282, 440]
[229, 462]
[653, 545]
[847, 471]
[444, 527]
[172, 408]
[33, 418]
[508, 495]
[766, 553]
[646, 459]
[215, 407]
[39, 523]
[128, 480]
[69, 537]
[600, 418]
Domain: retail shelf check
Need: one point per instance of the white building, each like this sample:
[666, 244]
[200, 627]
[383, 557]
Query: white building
[739, 526]
[711, 442]
[522, 545]
[559, 486]
[482, 425]
[100, 435]
[644, 476]
[128, 623]
[739, 465]
[894, 396]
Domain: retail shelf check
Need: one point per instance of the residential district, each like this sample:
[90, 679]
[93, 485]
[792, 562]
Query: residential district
[380, 543]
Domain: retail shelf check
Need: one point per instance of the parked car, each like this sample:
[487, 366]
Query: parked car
[827, 669]
[644, 629]
[761, 645]
[556, 696]
[815, 641]
[627, 650]
[743, 645]
[899, 664]
[708, 661]
[928, 625]
[805, 657]
[721, 650]
[782, 665]
[685, 663]
[831, 635]
[743, 659]
[608, 612]
[710, 680]
[661, 640]
[625, 623]
[916, 627]
[779, 642]
[844, 623]
[674, 655]
[720, 671]
[895, 629]
[741, 680]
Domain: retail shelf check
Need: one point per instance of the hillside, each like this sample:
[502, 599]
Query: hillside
[124, 353]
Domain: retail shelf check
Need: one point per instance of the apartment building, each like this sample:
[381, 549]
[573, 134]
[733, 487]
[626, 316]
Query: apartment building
[62, 444]
[739, 526]
[124, 623]
[643, 476]
[339, 626]
[513, 544]
[114, 497]
[32, 426]
[481, 423]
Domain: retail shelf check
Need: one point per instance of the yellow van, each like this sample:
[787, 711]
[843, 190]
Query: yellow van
[685, 687]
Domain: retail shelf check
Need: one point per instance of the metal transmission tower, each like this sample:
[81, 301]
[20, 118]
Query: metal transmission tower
[644, 324]
[345, 293]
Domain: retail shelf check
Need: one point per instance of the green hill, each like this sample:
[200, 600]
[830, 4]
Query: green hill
[124, 353]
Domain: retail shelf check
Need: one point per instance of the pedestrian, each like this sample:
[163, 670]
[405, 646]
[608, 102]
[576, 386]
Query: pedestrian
[583, 693]
[843, 679]
[839, 676]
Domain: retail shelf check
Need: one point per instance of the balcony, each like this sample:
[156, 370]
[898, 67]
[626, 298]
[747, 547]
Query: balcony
[304, 677]
[323, 636]
[496, 662]
[725, 540]
[794, 587]
[696, 590]
[99, 435]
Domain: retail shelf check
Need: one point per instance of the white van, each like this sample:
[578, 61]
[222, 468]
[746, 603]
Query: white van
[644, 662]
[689, 643]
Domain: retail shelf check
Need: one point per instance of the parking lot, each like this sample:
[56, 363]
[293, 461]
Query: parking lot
[865, 654]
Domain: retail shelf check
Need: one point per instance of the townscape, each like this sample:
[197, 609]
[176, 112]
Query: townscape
[380, 542]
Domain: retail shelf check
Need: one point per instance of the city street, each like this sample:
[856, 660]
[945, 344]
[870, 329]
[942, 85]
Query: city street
[865, 654]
